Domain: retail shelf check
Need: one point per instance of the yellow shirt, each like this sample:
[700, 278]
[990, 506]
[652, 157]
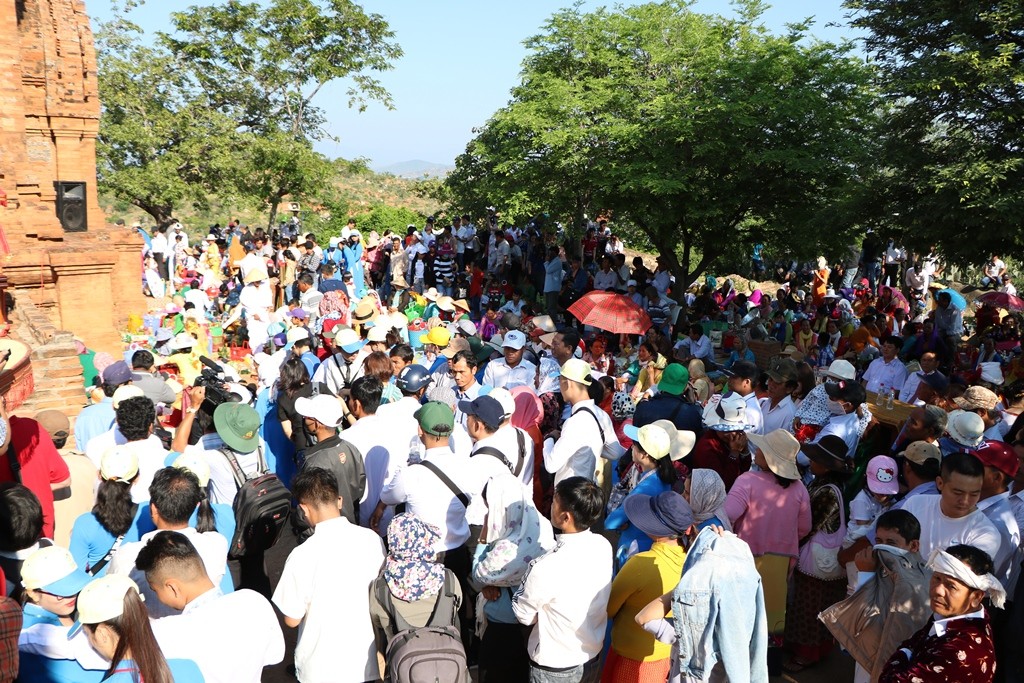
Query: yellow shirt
[643, 578]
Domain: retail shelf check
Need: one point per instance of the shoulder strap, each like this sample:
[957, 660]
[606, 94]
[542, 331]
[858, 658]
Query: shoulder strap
[95, 569]
[592, 414]
[236, 469]
[463, 498]
[447, 591]
[491, 450]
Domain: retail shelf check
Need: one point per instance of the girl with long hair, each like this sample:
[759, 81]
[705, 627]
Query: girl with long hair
[115, 621]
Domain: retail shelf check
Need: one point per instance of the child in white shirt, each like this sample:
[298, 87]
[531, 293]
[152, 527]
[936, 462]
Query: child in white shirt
[877, 496]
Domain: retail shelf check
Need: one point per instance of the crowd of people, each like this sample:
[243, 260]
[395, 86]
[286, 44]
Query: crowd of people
[468, 477]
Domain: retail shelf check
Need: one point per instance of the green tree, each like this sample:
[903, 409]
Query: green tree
[952, 159]
[703, 131]
[264, 64]
[161, 144]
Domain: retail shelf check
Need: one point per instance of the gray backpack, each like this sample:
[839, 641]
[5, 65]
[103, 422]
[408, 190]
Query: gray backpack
[432, 653]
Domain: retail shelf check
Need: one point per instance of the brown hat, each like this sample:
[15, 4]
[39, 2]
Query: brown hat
[783, 370]
[454, 346]
[56, 423]
[977, 398]
[920, 452]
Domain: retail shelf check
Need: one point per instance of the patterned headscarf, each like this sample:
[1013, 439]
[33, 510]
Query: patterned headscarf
[410, 569]
[707, 497]
[517, 534]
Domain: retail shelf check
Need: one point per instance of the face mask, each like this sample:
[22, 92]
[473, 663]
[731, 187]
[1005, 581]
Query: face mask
[892, 549]
[836, 408]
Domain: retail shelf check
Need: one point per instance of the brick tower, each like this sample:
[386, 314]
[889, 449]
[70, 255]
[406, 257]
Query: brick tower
[82, 272]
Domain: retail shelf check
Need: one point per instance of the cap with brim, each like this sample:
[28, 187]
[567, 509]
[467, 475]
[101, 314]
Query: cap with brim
[117, 373]
[681, 440]
[238, 426]
[430, 294]
[323, 408]
[102, 600]
[919, 452]
[119, 463]
[466, 327]
[654, 440]
[830, 451]
[664, 515]
[123, 393]
[881, 475]
[456, 345]
[727, 414]
[54, 422]
[674, 379]
[1000, 456]
[480, 350]
[577, 370]
[779, 448]
[977, 398]
[543, 322]
[295, 334]
[513, 340]
[365, 312]
[377, 333]
[784, 371]
[484, 408]
[438, 336]
[182, 340]
[194, 462]
[298, 313]
[435, 418]
[789, 350]
[495, 342]
[348, 341]
[164, 335]
[53, 570]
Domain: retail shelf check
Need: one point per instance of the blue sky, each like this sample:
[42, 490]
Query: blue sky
[461, 59]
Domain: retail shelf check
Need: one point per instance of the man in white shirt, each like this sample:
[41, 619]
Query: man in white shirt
[385, 449]
[606, 278]
[695, 345]
[777, 407]
[513, 440]
[994, 270]
[929, 364]
[175, 497]
[423, 489]
[953, 516]
[345, 366]
[324, 588]
[887, 371]
[229, 637]
[463, 367]
[744, 375]
[511, 371]
[564, 596]
[1000, 468]
[250, 262]
[135, 418]
[845, 399]
[586, 436]
[488, 458]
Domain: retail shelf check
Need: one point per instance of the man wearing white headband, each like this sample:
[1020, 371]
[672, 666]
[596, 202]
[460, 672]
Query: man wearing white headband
[956, 644]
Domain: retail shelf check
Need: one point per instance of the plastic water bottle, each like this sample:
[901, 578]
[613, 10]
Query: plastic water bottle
[889, 399]
[880, 396]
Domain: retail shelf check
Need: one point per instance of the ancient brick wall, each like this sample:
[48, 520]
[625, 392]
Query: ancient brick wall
[86, 282]
[56, 370]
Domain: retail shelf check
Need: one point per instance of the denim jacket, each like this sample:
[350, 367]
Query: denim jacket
[719, 611]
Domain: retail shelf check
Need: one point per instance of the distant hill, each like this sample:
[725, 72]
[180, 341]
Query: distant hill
[415, 168]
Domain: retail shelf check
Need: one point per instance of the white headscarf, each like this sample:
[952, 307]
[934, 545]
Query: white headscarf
[944, 563]
[517, 534]
[707, 497]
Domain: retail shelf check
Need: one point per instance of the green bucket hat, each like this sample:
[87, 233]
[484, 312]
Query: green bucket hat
[674, 379]
[238, 425]
[480, 350]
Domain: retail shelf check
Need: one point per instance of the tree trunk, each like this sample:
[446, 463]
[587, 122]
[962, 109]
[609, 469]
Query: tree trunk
[274, 203]
[162, 214]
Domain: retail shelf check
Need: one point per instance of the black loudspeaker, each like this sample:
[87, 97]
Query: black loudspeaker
[71, 206]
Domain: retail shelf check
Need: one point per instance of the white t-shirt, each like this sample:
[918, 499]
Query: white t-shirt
[940, 531]
[385, 450]
[229, 637]
[993, 268]
[326, 583]
[846, 427]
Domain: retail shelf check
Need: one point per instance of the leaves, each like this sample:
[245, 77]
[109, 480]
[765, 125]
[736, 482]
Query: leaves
[704, 132]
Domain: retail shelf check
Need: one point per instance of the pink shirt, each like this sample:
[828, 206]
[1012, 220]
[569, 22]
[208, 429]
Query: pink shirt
[771, 519]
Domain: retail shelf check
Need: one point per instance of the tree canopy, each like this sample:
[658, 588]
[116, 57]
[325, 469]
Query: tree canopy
[224, 103]
[951, 162]
[704, 131]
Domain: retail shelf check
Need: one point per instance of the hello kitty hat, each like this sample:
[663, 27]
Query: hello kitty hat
[881, 476]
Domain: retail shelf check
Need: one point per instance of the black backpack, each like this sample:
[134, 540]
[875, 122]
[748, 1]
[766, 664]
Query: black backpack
[432, 653]
[262, 506]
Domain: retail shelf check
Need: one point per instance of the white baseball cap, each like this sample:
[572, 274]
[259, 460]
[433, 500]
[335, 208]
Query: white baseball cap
[514, 340]
[103, 600]
[842, 369]
[123, 392]
[377, 333]
[323, 408]
[119, 463]
[53, 570]
[505, 398]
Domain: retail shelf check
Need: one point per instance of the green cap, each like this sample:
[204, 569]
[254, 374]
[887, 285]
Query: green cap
[238, 425]
[435, 418]
[674, 379]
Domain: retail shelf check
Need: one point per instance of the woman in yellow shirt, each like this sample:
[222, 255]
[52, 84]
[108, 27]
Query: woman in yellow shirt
[636, 656]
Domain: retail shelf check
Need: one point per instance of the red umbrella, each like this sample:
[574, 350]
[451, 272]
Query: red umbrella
[1002, 300]
[611, 312]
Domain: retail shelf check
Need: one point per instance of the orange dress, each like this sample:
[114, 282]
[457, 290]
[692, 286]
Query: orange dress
[820, 286]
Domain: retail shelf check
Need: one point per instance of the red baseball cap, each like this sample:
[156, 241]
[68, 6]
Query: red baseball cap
[998, 455]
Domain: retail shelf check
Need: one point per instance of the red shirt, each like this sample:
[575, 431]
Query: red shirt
[41, 464]
[710, 453]
[476, 283]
